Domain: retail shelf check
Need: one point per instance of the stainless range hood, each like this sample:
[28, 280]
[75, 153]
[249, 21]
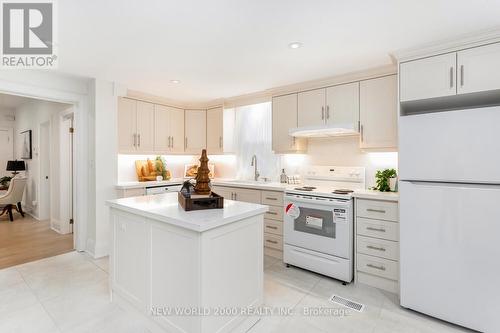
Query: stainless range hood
[324, 131]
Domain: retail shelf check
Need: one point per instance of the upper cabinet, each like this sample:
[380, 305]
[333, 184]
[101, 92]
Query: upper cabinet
[285, 118]
[169, 130]
[135, 126]
[378, 113]
[342, 104]
[215, 135]
[311, 108]
[456, 73]
[478, 69]
[428, 78]
[196, 131]
[333, 105]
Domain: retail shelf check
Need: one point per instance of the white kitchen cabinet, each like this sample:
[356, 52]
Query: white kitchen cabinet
[127, 123]
[428, 78]
[378, 113]
[342, 104]
[145, 127]
[169, 129]
[238, 194]
[284, 119]
[215, 136]
[195, 131]
[478, 68]
[311, 108]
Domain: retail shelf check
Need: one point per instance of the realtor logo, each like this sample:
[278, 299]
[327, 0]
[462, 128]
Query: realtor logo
[28, 34]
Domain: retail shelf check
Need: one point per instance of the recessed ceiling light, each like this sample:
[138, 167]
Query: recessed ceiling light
[175, 81]
[295, 45]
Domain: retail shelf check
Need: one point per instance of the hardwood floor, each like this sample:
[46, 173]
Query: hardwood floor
[27, 239]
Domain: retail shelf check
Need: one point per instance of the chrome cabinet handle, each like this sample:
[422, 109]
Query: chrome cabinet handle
[271, 227]
[139, 139]
[169, 141]
[375, 210]
[271, 241]
[328, 112]
[371, 247]
[322, 113]
[220, 141]
[135, 139]
[375, 229]
[451, 77]
[271, 198]
[462, 75]
[361, 130]
[382, 268]
[272, 213]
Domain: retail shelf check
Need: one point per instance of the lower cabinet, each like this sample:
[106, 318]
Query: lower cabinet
[131, 192]
[273, 219]
[377, 244]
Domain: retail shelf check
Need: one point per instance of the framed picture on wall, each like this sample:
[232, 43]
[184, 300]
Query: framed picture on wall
[26, 152]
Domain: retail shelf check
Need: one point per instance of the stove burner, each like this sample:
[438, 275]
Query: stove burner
[342, 191]
[305, 188]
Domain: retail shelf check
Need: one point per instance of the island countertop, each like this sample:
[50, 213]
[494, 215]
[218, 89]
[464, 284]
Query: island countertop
[165, 208]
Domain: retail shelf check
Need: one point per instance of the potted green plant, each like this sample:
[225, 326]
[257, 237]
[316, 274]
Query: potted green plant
[385, 180]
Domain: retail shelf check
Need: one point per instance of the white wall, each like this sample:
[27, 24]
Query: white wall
[29, 116]
[6, 116]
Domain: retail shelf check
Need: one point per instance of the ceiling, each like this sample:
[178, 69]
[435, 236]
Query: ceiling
[12, 102]
[224, 48]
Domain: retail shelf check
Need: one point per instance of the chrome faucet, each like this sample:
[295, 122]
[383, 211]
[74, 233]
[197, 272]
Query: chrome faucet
[254, 164]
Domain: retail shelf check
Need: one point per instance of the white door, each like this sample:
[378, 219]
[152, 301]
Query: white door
[284, 119]
[145, 127]
[127, 125]
[196, 131]
[454, 146]
[428, 78]
[311, 108]
[177, 130]
[478, 69]
[6, 150]
[214, 131]
[162, 138]
[379, 113]
[449, 236]
[342, 104]
[44, 186]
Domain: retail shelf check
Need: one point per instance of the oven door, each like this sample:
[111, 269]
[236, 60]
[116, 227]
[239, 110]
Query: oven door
[319, 224]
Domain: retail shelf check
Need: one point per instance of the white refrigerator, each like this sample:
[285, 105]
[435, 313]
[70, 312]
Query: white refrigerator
[449, 164]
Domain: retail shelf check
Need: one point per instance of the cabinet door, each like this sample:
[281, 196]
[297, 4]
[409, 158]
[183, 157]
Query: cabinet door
[145, 127]
[214, 131]
[127, 122]
[285, 118]
[378, 112]
[428, 78]
[226, 192]
[177, 130]
[246, 195]
[162, 139]
[311, 108]
[196, 131]
[478, 69]
[342, 104]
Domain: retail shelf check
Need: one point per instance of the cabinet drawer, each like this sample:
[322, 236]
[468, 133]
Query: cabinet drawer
[274, 213]
[378, 266]
[273, 227]
[273, 241]
[272, 198]
[377, 247]
[375, 209]
[378, 229]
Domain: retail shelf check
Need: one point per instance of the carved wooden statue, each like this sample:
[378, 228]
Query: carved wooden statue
[202, 179]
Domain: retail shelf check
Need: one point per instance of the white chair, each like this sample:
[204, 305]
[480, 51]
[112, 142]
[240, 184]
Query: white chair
[13, 197]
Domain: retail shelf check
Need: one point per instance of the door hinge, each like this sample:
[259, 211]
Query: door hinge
[71, 221]
[72, 130]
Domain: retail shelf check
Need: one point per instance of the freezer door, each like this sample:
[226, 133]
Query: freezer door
[450, 252]
[451, 146]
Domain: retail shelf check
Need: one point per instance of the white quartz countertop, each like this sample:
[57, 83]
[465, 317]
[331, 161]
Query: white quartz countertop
[376, 195]
[138, 184]
[166, 208]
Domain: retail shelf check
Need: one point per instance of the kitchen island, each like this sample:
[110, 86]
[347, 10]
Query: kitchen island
[198, 271]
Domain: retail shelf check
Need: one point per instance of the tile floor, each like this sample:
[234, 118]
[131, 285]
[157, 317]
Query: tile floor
[69, 293]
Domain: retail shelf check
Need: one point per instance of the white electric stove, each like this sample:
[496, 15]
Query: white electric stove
[318, 221]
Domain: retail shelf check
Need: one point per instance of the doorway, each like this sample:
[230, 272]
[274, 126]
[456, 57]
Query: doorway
[6, 149]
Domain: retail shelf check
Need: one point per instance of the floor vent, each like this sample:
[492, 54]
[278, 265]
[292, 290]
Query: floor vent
[347, 303]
